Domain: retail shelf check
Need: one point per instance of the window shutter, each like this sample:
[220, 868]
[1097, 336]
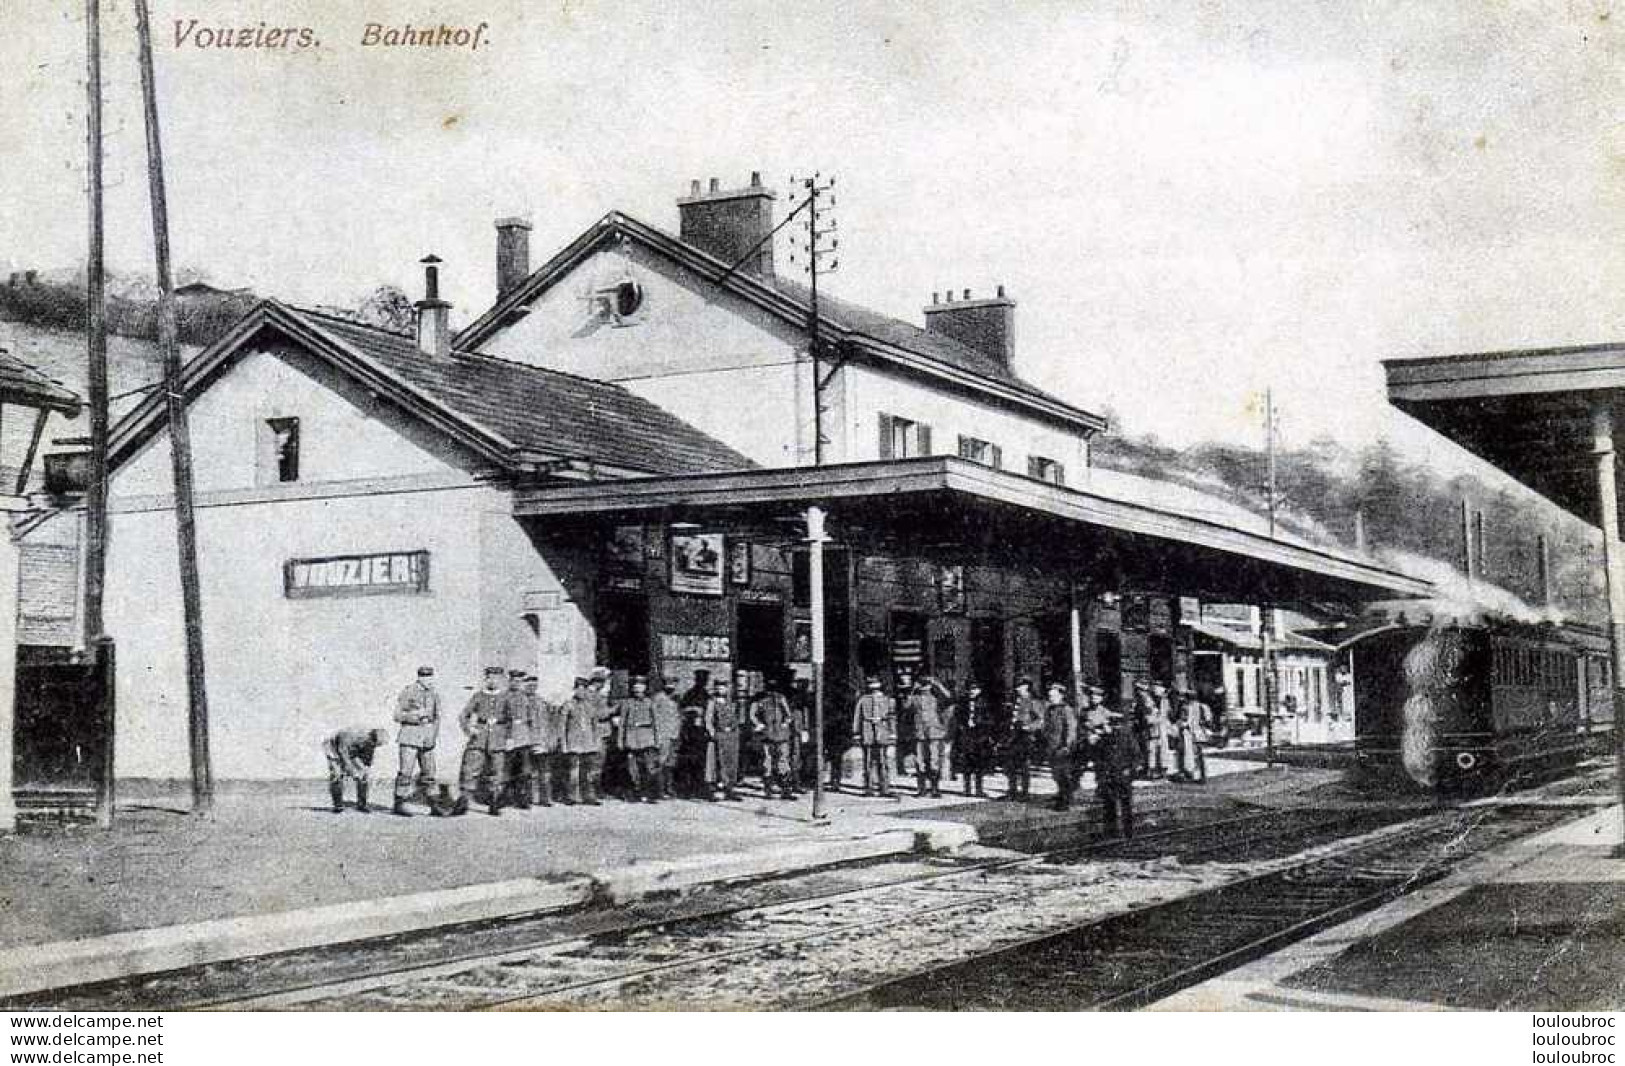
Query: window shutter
[995, 455]
[1035, 466]
[1060, 474]
[885, 437]
[922, 434]
[964, 446]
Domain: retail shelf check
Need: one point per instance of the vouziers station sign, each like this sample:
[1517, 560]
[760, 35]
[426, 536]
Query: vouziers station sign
[379, 574]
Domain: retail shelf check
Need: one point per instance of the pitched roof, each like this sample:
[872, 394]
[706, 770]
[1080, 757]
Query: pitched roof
[870, 332]
[515, 414]
[1248, 641]
[21, 383]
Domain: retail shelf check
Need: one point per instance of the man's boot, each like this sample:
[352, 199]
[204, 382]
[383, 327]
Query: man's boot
[936, 784]
[440, 805]
[361, 797]
[495, 806]
[919, 785]
[400, 807]
[460, 807]
[522, 801]
[336, 790]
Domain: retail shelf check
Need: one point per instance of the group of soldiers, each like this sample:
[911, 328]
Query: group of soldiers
[521, 750]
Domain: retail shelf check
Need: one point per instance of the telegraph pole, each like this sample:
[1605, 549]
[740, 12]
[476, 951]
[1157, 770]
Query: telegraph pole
[180, 438]
[815, 250]
[1267, 626]
[96, 363]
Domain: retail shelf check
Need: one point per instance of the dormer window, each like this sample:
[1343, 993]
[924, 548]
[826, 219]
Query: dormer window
[279, 451]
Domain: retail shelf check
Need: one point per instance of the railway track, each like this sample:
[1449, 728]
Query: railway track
[840, 943]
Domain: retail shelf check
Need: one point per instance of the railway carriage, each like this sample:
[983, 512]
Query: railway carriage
[1461, 706]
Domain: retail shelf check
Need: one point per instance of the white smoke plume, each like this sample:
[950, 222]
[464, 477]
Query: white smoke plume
[1459, 598]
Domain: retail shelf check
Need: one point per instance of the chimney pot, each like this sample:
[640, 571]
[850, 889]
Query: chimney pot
[756, 179]
[715, 185]
[694, 187]
[934, 298]
[967, 294]
[434, 314]
[1001, 292]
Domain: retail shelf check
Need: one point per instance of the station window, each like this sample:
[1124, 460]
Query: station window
[981, 451]
[279, 451]
[1046, 470]
[903, 438]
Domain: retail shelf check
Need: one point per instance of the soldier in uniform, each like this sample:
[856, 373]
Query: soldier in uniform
[1168, 716]
[1151, 726]
[583, 751]
[349, 757]
[485, 725]
[1026, 714]
[724, 718]
[1061, 742]
[775, 722]
[929, 718]
[417, 709]
[516, 769]
[1117, 757]
[546, 740]
[1193, 717]
[669, 720]
[640, 739]
[874, 727]
[973, 732]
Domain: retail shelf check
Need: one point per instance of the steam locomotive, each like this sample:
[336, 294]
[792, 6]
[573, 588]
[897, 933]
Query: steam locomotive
[1464, 706]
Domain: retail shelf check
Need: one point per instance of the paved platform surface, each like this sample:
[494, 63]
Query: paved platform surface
[1538, 925]
[276, 870]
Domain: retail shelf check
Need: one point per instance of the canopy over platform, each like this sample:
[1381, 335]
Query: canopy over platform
[1107, 533]
[1531, 413]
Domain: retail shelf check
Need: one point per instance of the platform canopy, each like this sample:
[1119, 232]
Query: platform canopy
[1117, 531]
[1531, 413]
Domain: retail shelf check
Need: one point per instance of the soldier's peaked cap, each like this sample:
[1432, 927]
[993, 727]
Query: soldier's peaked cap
[1024, 681]
[516, 673]
[425, 671]
[497, 670]
[637, 679]
[871, 682]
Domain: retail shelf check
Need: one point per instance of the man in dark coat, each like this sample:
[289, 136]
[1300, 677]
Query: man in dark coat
[973, 733]
[725, 719]
[1061, 742]
[1117, 757]
[775, 721]
[928, 722]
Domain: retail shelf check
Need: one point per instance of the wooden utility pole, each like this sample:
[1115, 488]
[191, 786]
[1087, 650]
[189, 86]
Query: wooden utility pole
[96, 363]
[180, 438]
[1267, 619]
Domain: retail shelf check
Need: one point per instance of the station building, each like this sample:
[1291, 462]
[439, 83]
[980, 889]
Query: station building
[612, 465]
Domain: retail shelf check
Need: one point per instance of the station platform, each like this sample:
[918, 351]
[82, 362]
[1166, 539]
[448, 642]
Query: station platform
[276, 870]
[1537, 925]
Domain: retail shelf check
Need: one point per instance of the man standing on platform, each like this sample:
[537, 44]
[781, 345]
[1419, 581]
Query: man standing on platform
[775, 722]
[640, 740]
[516, 759]
[417, 709]
[485, 725]
[669, 721]
[1061, 740]
[874, 727]
[582, 752]
[546, 740]
[724, 719]
[929, 718]
[1116, 758]
[1026, 728]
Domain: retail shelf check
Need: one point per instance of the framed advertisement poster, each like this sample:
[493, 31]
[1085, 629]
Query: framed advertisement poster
[739, 562]
[696, 563]
[951, 589]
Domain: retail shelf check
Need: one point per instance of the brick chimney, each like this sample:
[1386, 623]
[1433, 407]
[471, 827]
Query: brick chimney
[434, 314]
[513, 254]
[988, 324]
[728, 222]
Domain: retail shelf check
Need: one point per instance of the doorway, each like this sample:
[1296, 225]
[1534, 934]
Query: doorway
[759, 647]
[1109, 654]
[987, 658]
[623, 633]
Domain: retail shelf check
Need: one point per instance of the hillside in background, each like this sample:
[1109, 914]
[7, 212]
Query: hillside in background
[1412, 514]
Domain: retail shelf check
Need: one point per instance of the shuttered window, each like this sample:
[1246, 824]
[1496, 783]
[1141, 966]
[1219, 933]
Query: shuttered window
[1046, 470]
[903, 438]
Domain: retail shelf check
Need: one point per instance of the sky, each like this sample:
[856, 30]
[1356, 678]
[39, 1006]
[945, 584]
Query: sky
[1189, 202]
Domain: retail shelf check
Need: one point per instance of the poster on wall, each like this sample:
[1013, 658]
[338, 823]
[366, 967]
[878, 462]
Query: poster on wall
[951, 589]
[739, 562]
[801, 642]
[696, 563]
[623, 550]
